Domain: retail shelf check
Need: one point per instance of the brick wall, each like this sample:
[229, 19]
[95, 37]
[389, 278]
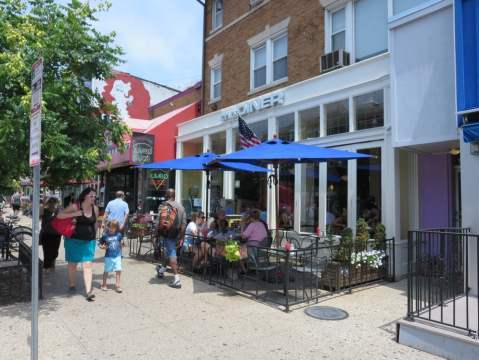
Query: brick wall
[305, 45]
[187, 97]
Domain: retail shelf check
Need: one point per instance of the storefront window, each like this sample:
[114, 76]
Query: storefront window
[155, 184]
[369, 110]
[286, 127]
[309, 123]
[337, 196]
[192, 180]
[369, 187]
[286, 197]
[216, 191]
[337, 117]
[250, 192]
[309, 197]
[218, 143]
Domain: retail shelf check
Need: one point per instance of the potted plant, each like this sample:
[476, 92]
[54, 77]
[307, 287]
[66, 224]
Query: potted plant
[139, 230]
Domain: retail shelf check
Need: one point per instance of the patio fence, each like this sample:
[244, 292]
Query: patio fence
[443, 269]
[285, 278]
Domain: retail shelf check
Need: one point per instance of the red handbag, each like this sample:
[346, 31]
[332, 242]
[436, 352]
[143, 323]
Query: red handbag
[65, 227]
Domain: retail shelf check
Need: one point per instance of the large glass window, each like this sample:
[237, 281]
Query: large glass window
[286, 197]
[309, 197]
[192, 180]
[337, 117]
[217, 14]
[369, 187]
[309, 123]
[218, 143]
[216, 83]
[338, 27]
[369, 110]
[370, 28]
[259, 67]
[403, 5]
[250, 192]
[280, 58]
[337, 197]
[286, 127]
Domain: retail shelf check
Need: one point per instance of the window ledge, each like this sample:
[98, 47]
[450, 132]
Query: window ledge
[267, 86]
[214, 101]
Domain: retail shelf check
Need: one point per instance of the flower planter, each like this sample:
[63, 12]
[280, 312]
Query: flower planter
[336, 276]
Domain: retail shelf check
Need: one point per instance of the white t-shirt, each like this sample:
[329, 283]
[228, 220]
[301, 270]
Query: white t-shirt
[191, 230]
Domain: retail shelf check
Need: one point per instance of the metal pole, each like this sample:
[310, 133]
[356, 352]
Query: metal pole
[207, 195]
[36, 232]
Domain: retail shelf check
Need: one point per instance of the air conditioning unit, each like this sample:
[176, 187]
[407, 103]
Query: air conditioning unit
[334, 60]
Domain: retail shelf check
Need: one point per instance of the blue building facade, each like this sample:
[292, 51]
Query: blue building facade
[467, 67]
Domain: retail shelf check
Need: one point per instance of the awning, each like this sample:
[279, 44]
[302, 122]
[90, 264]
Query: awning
[471, 132]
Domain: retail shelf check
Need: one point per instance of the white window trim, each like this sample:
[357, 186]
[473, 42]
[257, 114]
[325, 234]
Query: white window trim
[349, 27]
[214, 25]
[268, 42]
[212, 84]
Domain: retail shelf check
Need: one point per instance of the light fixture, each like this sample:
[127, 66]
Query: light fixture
[454, 151]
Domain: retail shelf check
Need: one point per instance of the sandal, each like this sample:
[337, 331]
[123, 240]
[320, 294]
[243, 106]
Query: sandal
[90, 297]
[104, 288]
[119, 290]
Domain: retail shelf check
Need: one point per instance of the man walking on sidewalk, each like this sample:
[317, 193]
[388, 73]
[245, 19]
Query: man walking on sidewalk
[171, 226]
[117, 210]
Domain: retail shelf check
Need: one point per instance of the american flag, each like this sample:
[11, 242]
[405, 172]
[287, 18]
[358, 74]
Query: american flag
[247, 136]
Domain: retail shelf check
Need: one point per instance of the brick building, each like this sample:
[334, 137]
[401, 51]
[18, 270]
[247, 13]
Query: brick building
[372, 76]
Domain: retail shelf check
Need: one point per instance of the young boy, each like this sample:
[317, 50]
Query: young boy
[112, 242]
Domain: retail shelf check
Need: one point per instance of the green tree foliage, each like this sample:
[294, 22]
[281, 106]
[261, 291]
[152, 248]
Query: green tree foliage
[75, 120]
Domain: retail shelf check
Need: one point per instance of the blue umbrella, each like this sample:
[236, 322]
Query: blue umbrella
[279, 151]
[203, 162]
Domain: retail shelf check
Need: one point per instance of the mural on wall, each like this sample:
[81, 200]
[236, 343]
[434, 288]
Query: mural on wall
[132, 95]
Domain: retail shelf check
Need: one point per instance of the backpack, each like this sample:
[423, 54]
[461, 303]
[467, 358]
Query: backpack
[167, 221]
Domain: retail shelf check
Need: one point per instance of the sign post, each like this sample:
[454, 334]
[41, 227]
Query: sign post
[35, 154]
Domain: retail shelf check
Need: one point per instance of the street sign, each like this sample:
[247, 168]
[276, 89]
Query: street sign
[35, 156]
[36, 113]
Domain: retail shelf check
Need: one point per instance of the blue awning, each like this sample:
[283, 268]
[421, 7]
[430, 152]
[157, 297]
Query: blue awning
[471, 132]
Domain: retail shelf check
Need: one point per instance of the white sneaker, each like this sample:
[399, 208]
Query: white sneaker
[175, 284]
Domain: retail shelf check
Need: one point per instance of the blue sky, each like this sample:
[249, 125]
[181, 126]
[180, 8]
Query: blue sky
[162, 39]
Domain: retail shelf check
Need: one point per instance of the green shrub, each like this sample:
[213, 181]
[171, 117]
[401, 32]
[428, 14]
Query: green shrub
[362, 235]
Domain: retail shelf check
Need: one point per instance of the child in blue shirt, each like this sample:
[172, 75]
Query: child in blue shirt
[112, 242]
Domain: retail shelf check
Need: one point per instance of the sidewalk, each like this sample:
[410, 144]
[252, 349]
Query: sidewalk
[149, 320]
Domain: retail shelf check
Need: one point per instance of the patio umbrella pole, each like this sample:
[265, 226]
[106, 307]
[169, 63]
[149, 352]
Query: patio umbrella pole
[275, 181]
[207, 194]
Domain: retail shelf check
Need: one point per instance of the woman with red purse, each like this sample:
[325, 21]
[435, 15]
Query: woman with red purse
[80, 247]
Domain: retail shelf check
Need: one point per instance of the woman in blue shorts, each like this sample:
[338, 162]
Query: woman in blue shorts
[80, 248]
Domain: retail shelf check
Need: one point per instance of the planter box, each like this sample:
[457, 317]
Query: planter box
[336, 276]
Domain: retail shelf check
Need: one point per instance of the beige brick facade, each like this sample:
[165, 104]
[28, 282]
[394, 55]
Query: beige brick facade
[240, 23]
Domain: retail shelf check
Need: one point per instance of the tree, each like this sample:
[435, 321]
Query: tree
[75, 120]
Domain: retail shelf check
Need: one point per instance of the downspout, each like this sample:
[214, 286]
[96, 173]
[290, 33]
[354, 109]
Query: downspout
[203, 102]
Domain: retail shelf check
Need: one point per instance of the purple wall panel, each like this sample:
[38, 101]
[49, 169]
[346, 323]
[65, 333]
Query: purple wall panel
[435, 191]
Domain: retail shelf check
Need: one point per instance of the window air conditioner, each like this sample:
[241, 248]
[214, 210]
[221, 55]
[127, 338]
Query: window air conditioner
[334, 60]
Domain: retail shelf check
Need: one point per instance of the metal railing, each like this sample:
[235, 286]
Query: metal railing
[442, 277]
[313, 268]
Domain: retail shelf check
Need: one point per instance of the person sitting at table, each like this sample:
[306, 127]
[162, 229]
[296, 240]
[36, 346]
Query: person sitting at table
[194, 239]
[254, 233]
[219, 224]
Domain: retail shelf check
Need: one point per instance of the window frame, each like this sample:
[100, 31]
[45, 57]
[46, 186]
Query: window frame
[332, 33]
[268, 44]
[254, 68]
[215, 24]
[213, 83]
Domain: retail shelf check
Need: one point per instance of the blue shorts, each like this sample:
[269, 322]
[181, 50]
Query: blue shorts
[112, 264]
[170, 247]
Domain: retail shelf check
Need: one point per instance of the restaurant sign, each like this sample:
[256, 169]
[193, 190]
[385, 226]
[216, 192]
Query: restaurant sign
[142, 148]
[251, 106]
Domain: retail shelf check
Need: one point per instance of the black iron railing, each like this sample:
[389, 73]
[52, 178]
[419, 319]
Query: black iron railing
[311, 269]
[443, 279]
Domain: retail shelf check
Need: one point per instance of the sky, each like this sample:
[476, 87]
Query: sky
[162, 39]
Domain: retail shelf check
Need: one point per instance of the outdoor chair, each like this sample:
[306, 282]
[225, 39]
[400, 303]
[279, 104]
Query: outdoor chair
[260, 264]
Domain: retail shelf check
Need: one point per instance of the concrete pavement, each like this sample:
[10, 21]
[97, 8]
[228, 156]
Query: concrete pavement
[149, 320]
